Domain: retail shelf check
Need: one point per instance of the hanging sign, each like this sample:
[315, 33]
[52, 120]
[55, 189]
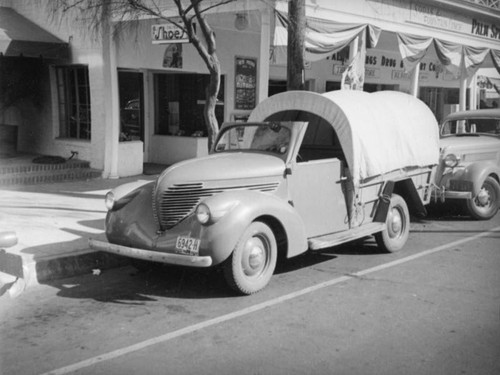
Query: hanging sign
[168, 33]
[245, 83]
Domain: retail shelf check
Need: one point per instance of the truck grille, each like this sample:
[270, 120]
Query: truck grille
[180, 200]
[460, 185]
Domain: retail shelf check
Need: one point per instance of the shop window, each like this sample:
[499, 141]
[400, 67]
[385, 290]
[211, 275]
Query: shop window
[276, 87]
[179, 104]
[440, 100]
[375, 87]
[73, 92]
[367, 87]
[332, 86]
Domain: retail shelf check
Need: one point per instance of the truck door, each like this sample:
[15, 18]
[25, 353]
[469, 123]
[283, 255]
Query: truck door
[316, 190]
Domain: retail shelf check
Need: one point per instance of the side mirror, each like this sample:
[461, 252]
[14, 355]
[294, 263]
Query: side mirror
[8, 239]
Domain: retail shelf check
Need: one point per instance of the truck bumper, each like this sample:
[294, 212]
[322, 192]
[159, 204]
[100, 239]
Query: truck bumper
[458, 194]
[154, 256]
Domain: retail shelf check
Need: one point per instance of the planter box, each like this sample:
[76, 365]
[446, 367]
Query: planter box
[130, 158]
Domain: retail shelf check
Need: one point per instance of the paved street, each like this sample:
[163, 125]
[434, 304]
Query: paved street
[431, 309]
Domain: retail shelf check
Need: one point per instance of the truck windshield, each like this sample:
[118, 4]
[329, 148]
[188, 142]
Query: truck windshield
[471, 126]
[268, 137]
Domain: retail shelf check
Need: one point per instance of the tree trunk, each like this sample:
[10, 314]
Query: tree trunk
[295, 50]
[212, 91]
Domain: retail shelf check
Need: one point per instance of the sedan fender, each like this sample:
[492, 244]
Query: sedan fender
[477, 173]
[232, 212]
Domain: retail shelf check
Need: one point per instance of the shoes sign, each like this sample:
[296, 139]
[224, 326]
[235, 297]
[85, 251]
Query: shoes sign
[169, 33]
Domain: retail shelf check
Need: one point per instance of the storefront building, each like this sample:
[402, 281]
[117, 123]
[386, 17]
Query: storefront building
[122, 101]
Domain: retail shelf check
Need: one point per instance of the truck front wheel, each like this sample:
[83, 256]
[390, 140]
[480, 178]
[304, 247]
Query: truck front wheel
[252, 262]
[397, 230]
[485, 205]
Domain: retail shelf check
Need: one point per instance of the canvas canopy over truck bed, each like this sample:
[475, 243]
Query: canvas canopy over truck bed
[378, 132]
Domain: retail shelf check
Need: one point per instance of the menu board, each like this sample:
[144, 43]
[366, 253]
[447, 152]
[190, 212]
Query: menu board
[245, 92]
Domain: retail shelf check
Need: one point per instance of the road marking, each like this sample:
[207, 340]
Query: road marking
[260, 306]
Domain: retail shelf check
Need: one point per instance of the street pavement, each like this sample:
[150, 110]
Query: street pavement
[53, 223]
[432, 308]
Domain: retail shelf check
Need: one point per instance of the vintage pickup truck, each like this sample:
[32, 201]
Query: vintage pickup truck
[307, 171]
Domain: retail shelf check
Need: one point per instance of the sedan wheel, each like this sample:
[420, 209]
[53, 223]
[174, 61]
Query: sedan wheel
[252, 263]
[485, 205]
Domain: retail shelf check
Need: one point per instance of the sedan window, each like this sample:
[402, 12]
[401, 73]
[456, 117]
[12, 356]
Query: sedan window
[471, 126]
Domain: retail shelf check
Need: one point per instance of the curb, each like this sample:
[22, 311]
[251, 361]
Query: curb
[43, 270]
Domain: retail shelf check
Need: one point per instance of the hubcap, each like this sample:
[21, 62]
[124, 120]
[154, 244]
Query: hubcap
[483, 198]
[254, 256]
[395, 223]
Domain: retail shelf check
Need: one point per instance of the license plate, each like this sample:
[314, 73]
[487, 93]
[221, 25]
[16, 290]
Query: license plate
[187, 245]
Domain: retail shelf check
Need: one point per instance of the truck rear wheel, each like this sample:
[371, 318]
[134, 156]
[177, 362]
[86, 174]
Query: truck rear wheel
[252, 262]
[397, 230]
[485, 205]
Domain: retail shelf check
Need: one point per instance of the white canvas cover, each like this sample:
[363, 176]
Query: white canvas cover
[379, 132]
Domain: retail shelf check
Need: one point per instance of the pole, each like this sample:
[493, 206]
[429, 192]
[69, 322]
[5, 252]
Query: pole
[295, 50]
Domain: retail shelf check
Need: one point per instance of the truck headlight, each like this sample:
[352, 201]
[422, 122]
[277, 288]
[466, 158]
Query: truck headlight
[109, 200]
[451, 160]
[202, 213]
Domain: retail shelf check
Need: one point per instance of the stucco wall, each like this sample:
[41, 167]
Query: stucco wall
[134, 51]
[40, 132]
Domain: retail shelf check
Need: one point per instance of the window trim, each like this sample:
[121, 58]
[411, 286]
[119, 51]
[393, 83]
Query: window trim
[71, 96]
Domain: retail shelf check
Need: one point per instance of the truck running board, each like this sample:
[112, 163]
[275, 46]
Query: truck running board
[329, 240]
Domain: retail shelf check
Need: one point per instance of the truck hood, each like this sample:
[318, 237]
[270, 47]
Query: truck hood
[468, 144]
[183, 186]
[224, 166]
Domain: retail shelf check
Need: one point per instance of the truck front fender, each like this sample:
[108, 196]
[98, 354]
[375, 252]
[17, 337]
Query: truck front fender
[234, 211]
[477, 173]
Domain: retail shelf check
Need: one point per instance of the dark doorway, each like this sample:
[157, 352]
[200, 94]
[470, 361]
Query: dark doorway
[131, 105]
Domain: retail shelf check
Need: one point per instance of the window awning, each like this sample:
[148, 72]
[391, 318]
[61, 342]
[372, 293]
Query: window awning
[459, 59]
[21, 37]
[324, 37]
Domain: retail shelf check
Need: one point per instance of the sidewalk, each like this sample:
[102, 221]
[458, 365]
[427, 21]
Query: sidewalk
[53, 223]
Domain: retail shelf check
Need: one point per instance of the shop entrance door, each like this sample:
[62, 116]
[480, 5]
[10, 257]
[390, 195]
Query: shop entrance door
[131, 90]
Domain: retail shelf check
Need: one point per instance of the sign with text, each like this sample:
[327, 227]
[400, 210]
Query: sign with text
[168, 33]
[245, 92]
[388, 67]
[440, 18]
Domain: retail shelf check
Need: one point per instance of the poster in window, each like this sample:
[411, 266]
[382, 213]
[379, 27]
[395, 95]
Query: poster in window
[172, 57]
[245, 91]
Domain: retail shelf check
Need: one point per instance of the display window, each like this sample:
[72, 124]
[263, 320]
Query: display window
[179, 104]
